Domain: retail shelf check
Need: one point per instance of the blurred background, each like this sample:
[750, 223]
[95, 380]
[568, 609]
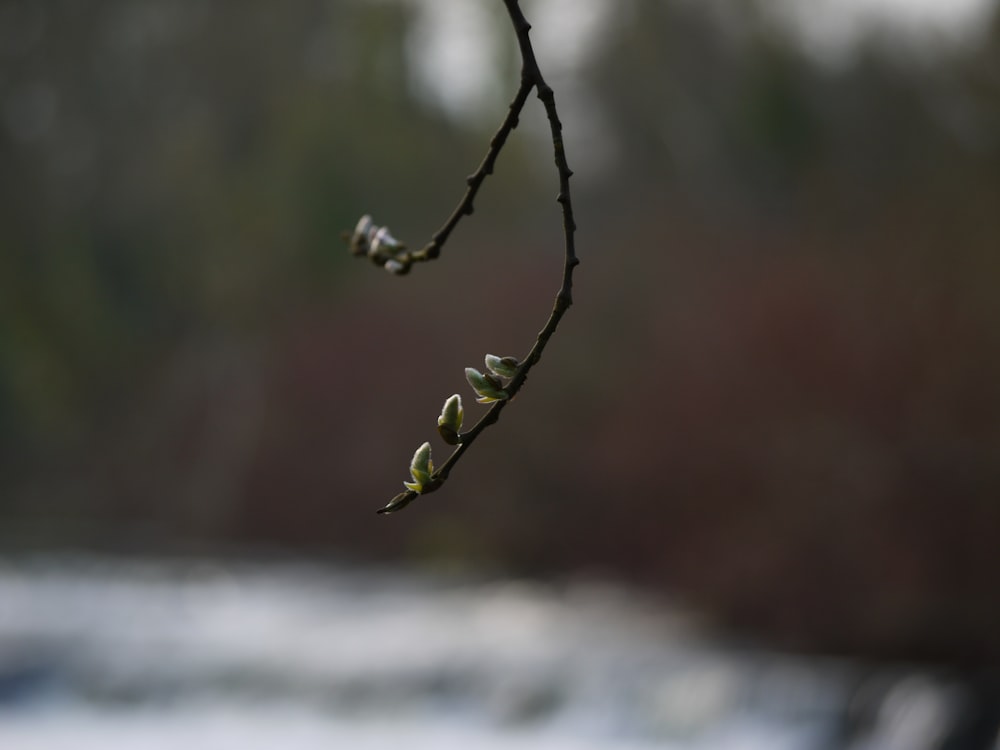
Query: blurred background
[775, 406]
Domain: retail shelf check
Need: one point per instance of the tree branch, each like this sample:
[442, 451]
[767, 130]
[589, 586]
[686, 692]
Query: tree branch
[384, 249]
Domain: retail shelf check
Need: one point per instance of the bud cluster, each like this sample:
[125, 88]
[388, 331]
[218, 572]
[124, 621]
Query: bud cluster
[421, 468]
[378, 244]
[450, 421]
[489, 387]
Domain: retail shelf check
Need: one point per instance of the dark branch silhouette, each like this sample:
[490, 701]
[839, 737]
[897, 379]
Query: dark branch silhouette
[383, 249]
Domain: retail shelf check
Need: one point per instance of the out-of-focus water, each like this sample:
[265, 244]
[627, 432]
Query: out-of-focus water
[97, 653]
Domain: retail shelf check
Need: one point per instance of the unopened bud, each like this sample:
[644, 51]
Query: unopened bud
[450, 421]
[421, 467]
[487, 386]
[384, 242]
[505, 367]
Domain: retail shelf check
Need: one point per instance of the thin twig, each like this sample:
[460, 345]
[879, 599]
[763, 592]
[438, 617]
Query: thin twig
[531, 78]
[432, 249]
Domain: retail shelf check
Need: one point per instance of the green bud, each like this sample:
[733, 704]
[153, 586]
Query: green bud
[450, 421]
[421, 467]
[488, 386]
[505, 367]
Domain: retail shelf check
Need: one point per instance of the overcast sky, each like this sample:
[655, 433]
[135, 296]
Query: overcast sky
[453, 54]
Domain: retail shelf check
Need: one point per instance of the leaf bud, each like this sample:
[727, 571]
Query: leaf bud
[450, 421]
[421, 467]
[384, 243]
[505, 367]
[488, 386]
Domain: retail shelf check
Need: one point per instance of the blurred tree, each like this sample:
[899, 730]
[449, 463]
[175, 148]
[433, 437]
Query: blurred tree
[782, 393]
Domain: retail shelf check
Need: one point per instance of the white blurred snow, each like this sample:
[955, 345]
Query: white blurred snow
[111, 655]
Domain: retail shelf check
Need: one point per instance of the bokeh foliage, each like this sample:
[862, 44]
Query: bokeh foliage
[779, 392]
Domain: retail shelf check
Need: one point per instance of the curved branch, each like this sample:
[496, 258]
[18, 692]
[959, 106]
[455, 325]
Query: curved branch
[531, 78]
